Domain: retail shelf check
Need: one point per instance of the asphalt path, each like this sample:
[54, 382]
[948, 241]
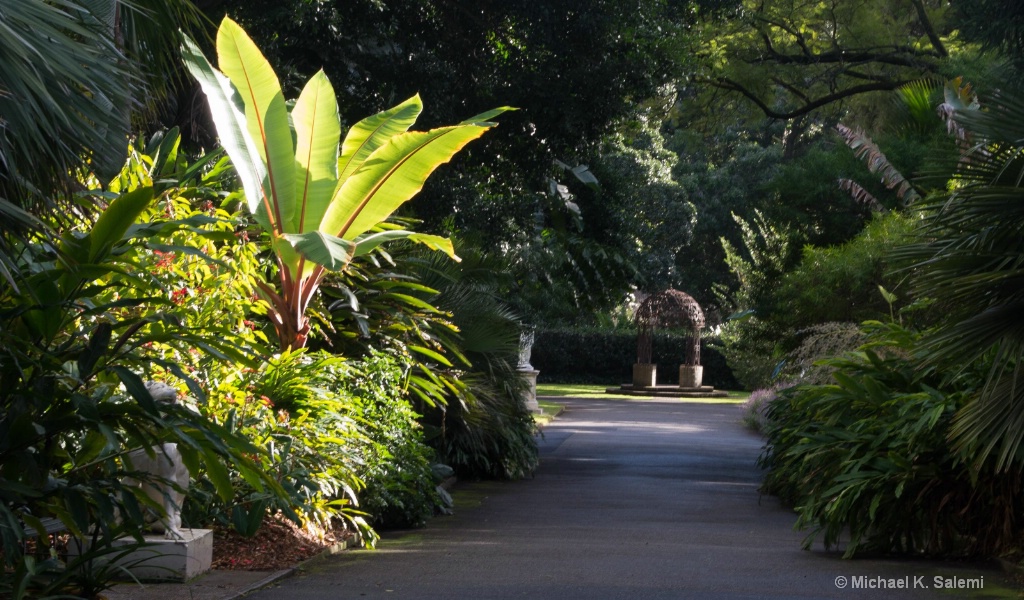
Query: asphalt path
[633, 499]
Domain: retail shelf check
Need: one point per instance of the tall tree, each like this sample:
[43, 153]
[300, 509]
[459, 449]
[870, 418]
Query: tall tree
[996, 24]
[574, 68]
[790, 58]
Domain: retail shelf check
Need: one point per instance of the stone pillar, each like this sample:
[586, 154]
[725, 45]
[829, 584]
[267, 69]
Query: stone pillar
[645, 375]
[530, 375]
[691, 376]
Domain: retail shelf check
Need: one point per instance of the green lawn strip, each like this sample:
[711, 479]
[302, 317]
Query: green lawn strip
[597, 392]
[551, 410]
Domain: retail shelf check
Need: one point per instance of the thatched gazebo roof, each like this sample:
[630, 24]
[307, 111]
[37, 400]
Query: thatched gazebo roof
[670, 309]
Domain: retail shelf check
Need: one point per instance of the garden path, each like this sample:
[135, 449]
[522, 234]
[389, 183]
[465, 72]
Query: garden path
[633, 499]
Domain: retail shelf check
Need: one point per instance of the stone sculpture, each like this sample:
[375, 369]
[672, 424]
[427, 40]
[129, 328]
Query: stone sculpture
[167, 477]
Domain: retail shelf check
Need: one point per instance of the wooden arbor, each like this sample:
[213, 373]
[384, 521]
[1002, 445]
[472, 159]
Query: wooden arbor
[670, 309]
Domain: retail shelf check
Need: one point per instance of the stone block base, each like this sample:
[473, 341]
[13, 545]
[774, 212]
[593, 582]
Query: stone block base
[691, 376]
[645, 375]
[161, 559]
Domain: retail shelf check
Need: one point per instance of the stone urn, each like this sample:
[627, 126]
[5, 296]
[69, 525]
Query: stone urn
[645, 375]
[691, 376]
[526, 370]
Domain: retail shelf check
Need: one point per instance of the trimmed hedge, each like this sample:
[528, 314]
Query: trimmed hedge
[607, 357]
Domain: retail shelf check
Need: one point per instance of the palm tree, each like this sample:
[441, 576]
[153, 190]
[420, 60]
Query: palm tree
[72, 74]
[970, 258]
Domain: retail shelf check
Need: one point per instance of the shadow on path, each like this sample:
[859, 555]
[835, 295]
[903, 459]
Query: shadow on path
[632, 500]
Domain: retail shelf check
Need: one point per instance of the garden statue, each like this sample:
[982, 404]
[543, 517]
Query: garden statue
[167, 476]
[526, 338]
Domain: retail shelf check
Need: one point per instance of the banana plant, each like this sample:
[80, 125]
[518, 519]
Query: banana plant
[322, 202]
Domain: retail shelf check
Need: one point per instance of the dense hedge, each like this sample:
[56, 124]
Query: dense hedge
[575, 356]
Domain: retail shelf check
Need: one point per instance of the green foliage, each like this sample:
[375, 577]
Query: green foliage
[329, 427]
[74, 73]
[574, 70]
[85, 324]
[485, 429]
[968, 259]
[321, 202]
[829, 284]
[867, 456]
[807, 363]
[564, 277]
[312, 448]
[790, 59]
[720, 186]
[840, 283]
[447, 321]
[809, 195]
[995, 24]
[640, 208]
[398, 466]
[752, 344]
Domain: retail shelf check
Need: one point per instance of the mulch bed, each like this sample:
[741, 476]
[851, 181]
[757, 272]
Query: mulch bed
[279, 544]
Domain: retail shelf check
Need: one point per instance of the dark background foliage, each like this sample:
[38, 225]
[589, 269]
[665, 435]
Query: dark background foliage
[607, 357]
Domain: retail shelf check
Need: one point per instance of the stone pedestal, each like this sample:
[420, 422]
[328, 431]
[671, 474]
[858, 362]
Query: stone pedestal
[645, 375]
[161, 559]
[691, 376]
[530, 375]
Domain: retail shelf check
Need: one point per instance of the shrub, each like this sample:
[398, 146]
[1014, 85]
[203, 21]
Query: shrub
[789, 305]
[342, 440]
[310, 445]
[840, 283]
[819, 342]
[398, 467]
[490, 434]
[756, 407]
[82, 324]
[448, 322]
[869, 455]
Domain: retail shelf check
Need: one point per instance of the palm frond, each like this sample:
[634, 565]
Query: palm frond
[861, 195]
[71, 74]
[869, 152]
[970, 259]
[60, 73]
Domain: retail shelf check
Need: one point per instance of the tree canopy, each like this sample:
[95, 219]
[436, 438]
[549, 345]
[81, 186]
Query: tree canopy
[791, 58]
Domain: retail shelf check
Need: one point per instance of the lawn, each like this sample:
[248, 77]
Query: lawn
[551, 410]
[597, 392]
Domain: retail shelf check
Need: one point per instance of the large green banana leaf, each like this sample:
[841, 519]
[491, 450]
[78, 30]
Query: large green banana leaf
[391, 175]
[231, 126]
[320, 202]
[266, 115]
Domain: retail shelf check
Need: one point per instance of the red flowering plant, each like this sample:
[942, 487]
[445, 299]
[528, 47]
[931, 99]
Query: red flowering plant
[84, 321]
[206, 274]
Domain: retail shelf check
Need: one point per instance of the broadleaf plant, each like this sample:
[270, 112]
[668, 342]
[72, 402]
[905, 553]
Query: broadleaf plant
[322, 203]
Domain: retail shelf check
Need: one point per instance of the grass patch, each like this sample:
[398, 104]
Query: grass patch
[551, 410]
[597, 392]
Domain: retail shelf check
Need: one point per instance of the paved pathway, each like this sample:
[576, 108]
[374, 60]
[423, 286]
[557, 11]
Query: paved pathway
[632, 500]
